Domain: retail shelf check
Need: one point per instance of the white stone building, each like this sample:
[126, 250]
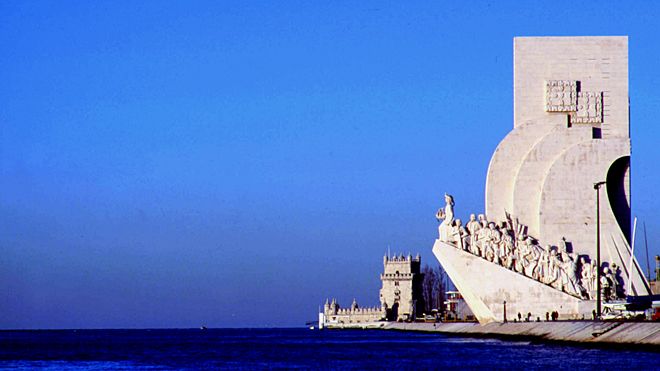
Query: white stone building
[401, 292]
[400, 296]
[334, 314]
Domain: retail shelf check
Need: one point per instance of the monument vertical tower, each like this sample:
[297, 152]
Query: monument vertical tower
[571, 130]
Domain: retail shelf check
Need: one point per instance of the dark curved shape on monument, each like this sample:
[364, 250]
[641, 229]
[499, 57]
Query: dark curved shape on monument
[618, 177]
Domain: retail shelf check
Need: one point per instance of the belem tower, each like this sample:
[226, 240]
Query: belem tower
[400, 296]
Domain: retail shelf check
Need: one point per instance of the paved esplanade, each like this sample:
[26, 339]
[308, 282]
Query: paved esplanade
[535, 247]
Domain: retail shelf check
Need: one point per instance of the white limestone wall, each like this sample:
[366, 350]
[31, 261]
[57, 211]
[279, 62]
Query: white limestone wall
[568, 206]
[504, 165]
[532, 172]
[599, 63]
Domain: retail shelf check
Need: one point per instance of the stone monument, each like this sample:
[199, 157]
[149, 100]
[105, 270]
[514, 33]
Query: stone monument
[571, 134]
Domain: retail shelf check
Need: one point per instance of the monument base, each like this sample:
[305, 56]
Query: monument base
[486, 287]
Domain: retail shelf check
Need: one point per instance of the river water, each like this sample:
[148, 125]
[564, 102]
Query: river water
[298, 348]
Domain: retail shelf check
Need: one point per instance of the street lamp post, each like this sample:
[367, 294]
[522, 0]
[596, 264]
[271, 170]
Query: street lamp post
[505, 311]
[598, 298]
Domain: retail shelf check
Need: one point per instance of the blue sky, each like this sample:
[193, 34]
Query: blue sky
[172, 164]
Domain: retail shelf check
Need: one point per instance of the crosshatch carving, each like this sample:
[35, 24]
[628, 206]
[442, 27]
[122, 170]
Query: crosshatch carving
[582, 107]
[560, 96]
[589, 108]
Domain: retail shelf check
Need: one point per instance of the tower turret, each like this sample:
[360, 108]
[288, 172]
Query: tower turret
[354, 305]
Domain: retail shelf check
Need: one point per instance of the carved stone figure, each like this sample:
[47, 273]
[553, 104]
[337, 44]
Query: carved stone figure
[568, 275]
[517, 257]
[461, 236]
[482, 218]
[585, 277]
[492, 242]
[473, 227]
[483, 236]
[543, 266]
[554, 270]
[530, 257]
[562, 246]
[612, 280]
[506, 249]
[447, 216]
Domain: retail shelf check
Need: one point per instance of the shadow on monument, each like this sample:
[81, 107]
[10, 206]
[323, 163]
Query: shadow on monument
[617, 177]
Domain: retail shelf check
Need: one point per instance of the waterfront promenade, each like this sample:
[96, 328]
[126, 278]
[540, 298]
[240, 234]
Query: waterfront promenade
[585, 332]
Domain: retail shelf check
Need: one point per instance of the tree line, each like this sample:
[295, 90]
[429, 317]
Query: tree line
[434, 287]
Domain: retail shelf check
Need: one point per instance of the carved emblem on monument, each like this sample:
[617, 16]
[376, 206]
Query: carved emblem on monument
[582, 107]
[561, 96]
[589, 108]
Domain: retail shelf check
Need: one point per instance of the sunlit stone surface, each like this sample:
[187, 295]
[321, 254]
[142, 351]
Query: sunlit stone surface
[570, 131]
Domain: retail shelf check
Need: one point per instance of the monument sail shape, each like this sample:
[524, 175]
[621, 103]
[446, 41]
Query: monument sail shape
[571, 130]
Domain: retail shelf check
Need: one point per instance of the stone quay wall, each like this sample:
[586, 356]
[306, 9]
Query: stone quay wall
[643, 334]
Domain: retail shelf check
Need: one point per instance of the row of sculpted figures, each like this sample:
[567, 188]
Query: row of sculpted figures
[507, 244]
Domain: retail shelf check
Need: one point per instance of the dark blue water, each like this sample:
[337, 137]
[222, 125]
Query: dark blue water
[296, 348]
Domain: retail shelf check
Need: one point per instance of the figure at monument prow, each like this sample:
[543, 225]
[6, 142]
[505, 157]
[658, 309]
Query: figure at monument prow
[446, 218]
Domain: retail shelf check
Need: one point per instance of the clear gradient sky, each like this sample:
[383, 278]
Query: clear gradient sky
[173, 164]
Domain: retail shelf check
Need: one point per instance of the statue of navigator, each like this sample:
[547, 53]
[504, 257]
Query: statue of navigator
[447, 217]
